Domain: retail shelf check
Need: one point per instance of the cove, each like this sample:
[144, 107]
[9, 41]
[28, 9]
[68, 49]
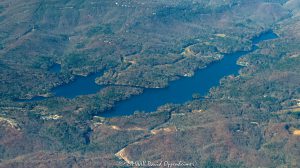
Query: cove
[81, 85]
[181, 90]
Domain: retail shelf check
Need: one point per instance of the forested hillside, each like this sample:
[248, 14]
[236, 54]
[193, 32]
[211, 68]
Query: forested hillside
[249, 120]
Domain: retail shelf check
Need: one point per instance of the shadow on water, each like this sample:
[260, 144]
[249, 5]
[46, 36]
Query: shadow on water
[55, 68]
[181, 90]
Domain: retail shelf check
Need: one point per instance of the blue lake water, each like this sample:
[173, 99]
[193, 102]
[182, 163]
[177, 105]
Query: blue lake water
[181, 90]
[80, 86]
[268, 35]
[178, 91]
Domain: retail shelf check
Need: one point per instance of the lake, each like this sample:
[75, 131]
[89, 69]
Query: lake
[181, 90]
[178, 91]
